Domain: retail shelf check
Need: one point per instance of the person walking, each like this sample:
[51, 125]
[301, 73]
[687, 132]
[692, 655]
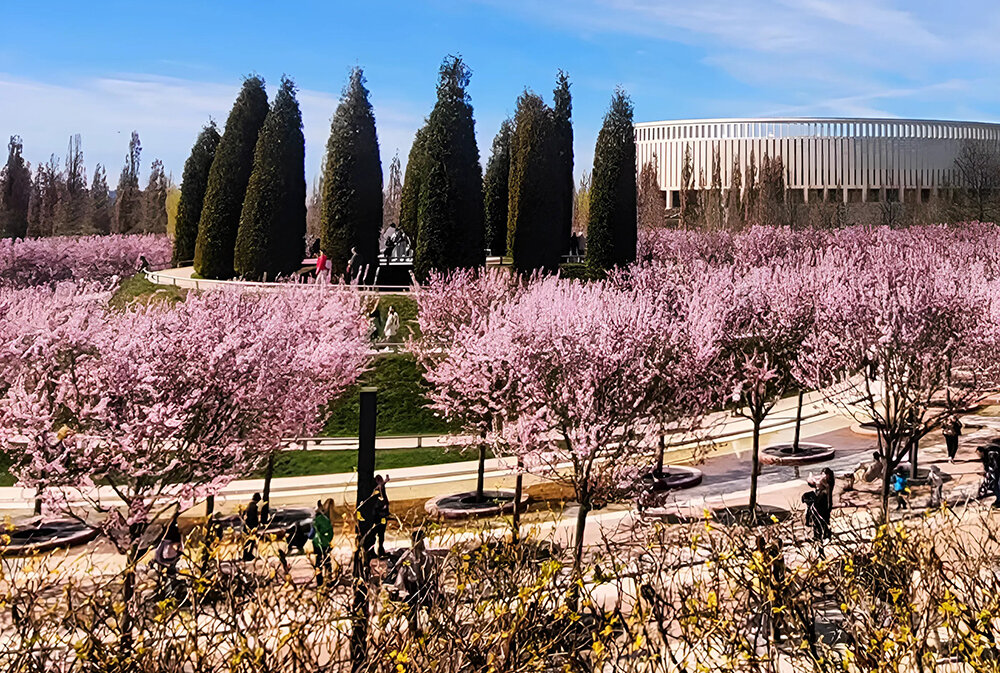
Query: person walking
[251, 522]
[322, 536]
[415, 579]
[321, 263]
[936, 480]
[373, 327]
[391, 325]
[952, 430]
[354, 266]
[168, 552]
[381, 511]
[899, 488]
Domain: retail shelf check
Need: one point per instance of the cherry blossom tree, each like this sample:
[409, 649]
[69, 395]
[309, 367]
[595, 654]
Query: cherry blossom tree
[451, 306]
[33, 261]
[130, 412]
[902, 326]
[571, 370]
[766, 315]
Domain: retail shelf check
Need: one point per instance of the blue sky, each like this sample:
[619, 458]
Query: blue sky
[102, 69]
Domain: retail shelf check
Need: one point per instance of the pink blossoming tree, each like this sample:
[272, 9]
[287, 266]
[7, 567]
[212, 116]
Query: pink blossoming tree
[129, 412]
[906, 333]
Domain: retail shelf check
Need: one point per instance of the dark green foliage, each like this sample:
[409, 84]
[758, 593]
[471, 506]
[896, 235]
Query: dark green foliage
[351, 215]
[457, 238]
[154, 200]
[533, 226]
[271, 235]
[73, 212]
[128, 197]
[15, 192]
[576, 271]
[409, 201]
[563, 175]
[227, 183]
[495, 191]
[612, 229]
[46, 190]
[101, 208]
[314, 462]
[433, 240]
[193, 185]
[402, 406]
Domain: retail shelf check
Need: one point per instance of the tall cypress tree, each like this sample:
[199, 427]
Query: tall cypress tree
[611, 231]
[271, 235]
[227, 182]
[451, 146]
[15, 191]
[351, 215]
[193, 184]
[154, 199]
[432, 249]
[563, 174]
[409, 200]
[101, 207]
[128, 197]
[533, 225]
[495, 190]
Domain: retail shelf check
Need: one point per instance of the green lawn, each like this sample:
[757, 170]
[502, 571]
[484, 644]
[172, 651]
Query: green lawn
[402, 406]
[311, 462]
[137, 289]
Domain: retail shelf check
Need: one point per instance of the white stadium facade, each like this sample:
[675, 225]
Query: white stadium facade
[854, 160]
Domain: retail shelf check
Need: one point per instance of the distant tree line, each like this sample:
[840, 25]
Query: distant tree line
[55, 199]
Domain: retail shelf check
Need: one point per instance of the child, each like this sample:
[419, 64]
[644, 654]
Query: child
[899, 488]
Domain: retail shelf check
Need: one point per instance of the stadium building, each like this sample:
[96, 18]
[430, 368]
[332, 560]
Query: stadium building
[856, 160]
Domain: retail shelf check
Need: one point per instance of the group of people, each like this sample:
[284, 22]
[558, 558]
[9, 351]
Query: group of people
[389, 331]
[396, 244]
[355, 267]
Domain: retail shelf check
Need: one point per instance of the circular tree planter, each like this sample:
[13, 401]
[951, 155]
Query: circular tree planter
[46, 536]
[942, 404]
[767, 515]
[467, 506]
[786, 454]
[868, 429]
[922, 476]
[671, 478]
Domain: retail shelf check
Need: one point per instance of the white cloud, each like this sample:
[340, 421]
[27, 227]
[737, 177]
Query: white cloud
[835, 57]
[168, 113]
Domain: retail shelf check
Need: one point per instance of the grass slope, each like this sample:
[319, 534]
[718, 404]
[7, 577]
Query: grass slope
[402, 406]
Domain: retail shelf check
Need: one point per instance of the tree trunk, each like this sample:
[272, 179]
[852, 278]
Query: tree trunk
[885, 488]
[38, 502]
[481, 476]
[659, 456]
[128, 598]
[798, 423]
[518, 490]
[581, 526]
[914, 448]
[209, 505]
[754, 467]
[265, 508]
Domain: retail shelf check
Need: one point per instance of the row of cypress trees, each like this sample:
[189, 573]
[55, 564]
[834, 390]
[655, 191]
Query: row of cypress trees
[242, 208]
[529, 185]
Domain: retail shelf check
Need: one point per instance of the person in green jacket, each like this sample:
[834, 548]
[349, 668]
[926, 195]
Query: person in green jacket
[322, 536]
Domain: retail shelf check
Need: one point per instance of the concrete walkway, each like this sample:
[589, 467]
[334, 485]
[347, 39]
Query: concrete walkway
[728, 438]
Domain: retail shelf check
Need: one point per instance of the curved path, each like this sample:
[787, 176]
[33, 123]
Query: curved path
[730, 441]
